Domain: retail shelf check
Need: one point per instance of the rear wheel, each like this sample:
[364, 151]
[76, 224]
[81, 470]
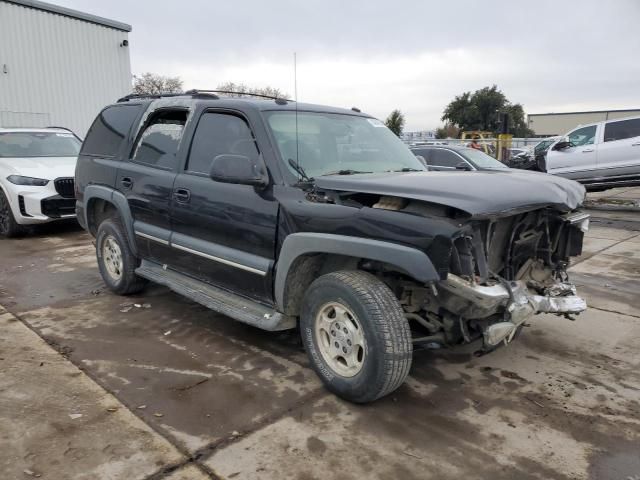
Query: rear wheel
[8, 226]
[116, 261]
[356, 335]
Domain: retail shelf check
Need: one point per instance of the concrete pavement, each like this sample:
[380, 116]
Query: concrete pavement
[223, 400]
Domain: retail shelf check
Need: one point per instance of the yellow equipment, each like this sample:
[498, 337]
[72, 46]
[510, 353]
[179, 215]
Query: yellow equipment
[485, 140]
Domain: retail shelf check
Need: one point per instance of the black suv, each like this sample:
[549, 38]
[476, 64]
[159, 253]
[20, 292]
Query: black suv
[285, 215]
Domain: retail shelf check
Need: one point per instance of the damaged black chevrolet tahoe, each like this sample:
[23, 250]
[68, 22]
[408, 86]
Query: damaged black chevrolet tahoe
[282, 216]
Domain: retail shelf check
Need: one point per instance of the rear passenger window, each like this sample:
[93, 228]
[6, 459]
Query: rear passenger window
[109, 129]
[444, 158]
[621, 130]
[158, 144]
[218, 134]
[424, 153]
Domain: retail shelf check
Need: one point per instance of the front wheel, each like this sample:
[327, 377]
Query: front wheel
[8, 226]
[356, 335]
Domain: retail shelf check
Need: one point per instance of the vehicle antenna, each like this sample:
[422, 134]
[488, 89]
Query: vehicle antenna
[295, 96]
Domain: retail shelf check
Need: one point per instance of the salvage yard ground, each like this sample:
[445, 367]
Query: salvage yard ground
[155, 386]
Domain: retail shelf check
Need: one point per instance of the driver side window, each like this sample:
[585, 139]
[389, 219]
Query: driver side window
[583, 136]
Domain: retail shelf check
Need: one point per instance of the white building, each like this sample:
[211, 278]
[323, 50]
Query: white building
[550, 124]
[59, 67]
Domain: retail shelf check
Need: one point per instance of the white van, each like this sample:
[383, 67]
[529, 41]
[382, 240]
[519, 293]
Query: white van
[600, 155]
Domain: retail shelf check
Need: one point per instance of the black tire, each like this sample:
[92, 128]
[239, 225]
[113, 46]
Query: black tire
[127, 282]
[8, 226]
[388, 348]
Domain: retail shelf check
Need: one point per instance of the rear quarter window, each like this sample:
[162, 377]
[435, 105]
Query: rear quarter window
[622, 130]
[109, 130]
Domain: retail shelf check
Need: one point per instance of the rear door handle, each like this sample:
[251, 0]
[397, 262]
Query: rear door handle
[126, 182]
[182, 195]
[588, 150]
[635, 144]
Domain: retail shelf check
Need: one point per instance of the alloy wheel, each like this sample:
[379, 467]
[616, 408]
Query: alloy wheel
[340, 339]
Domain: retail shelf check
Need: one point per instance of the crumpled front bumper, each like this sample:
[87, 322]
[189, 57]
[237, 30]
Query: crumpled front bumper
[516, 299]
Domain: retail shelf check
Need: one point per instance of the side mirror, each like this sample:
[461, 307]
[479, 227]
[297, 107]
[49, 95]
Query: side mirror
[562, 145]
[237, 169]
[463, 166]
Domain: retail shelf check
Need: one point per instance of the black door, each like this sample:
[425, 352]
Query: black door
[146, 179]
[223, 233]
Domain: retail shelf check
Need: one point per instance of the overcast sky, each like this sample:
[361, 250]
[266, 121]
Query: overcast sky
[380, 55]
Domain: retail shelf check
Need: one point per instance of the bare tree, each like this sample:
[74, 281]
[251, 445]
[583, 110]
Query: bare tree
[153, 84]
[242, 90]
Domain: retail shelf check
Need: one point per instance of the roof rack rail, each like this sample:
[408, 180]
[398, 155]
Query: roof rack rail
[195, 93]
[135, 96]
[231, 92]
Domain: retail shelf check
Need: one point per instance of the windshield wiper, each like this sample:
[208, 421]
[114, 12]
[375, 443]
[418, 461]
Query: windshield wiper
[408, 169]
[343, 172]
[296, 166]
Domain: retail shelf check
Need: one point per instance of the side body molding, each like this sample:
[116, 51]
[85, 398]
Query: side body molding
[119, 200]
[414, 262]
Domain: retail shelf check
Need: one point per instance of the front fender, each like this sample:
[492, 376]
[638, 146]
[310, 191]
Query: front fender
[412, 261]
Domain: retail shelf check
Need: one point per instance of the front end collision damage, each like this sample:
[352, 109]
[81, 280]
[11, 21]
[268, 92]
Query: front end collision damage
[514, 300]
[495, 269]
[502, 272]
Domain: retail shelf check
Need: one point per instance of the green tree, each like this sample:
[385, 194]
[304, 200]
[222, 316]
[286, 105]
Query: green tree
[242, 90]
[517, 123]
[481, 110]
[449, 130]
[154, 84]
[395, 122]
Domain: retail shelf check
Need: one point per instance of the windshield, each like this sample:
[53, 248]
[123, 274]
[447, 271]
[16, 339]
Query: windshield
[38, 144]
[330, 143]
[543, 146]
[481, 159]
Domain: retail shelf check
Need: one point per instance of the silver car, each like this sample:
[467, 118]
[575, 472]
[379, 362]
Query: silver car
[600, 155]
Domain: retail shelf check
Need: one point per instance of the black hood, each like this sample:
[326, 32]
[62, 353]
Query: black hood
[479, 193]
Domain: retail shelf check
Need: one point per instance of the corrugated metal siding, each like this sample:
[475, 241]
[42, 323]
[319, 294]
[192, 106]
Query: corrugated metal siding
[58, 66]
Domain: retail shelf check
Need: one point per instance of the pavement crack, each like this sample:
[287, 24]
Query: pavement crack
[599, 252]
[615, 311]
[206, 451]
[165, 471]
[189, 387]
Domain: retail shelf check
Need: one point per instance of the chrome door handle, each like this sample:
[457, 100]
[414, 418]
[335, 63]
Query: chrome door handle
[588, 150]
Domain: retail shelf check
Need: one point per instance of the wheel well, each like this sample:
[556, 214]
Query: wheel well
[306, 268]
[99, 210]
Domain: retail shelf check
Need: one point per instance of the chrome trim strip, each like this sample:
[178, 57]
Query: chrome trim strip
[151, 237]
[220, 260]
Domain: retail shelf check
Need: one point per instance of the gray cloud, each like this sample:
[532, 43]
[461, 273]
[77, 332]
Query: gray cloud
[547, 55]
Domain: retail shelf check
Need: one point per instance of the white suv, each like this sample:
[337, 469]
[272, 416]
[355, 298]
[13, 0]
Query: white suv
[36, 176]
[600, 155]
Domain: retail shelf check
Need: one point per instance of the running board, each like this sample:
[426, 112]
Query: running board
[217, 299]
